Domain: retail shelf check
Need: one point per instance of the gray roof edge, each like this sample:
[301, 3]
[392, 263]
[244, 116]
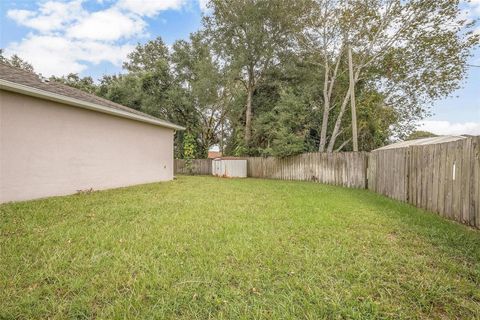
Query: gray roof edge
[47, 95]
[422, 142]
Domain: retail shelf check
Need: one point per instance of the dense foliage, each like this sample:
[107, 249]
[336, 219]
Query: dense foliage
[274, 78]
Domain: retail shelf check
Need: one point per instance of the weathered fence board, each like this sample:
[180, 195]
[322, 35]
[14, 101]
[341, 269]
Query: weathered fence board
[345, 169]
[443, 178]
[387, 173]
[199, 166]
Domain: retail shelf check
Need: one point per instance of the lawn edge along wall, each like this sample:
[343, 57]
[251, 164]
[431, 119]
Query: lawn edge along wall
[442, 177]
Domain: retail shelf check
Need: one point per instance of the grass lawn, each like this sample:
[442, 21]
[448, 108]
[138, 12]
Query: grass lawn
[204, 247]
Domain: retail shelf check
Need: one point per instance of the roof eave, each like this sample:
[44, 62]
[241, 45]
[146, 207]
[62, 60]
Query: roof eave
[34, 92]
[421, 142]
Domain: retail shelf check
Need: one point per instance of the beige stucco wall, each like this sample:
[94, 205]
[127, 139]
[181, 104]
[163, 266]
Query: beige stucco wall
[47, 148]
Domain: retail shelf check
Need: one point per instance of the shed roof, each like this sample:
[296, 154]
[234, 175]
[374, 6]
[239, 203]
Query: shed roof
[24, 82]
[422, 142]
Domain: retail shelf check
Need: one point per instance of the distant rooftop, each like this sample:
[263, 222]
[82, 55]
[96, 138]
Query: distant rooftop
[421, 142]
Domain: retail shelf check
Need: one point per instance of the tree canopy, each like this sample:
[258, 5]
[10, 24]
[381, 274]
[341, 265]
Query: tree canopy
[16, 61]
[419, 134]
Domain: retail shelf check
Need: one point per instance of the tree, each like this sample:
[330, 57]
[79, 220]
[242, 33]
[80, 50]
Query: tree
[152, 55]
[351, 88]
[419, 134]
[16, 61]
[249, 35]
[412, 51]
[287, 126]
[123, 89]
[206, 84]
[289, 111]
[74, 80]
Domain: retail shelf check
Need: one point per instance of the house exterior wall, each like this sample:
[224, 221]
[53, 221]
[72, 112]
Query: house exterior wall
[47, 149]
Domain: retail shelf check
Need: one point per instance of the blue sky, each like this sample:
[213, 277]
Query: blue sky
[92, 37]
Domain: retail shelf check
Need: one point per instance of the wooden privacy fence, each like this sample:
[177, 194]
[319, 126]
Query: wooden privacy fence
[443, 177]
[346, 169]
[199, 166]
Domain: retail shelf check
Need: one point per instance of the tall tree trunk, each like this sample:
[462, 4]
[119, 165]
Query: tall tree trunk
[248, 115]
[326, 111]
[222, 133]
[338, 122]
[352, 101]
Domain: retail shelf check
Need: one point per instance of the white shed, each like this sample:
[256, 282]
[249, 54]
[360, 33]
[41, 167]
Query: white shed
[230, 168]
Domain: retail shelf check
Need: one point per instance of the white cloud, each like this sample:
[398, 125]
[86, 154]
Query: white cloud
[471, 12]
[150, 8]
[108, 25]
[67, 38]
[51, 15]
[474, 7]
[56, 55]
[203, 5]
[450, 128]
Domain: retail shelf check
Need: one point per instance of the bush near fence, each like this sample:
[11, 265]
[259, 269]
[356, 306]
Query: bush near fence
[442, 177]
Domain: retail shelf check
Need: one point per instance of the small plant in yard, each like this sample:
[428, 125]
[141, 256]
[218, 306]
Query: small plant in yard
[257, 249]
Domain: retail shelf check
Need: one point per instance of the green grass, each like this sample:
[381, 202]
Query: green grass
[204, 247]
